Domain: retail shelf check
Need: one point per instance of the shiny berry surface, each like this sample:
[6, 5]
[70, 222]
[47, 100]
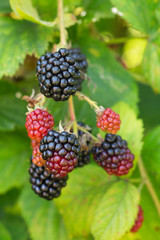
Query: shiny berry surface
[38, 123]
[109, 121]
[81, 59]
[58, 74]
[114, 155]
[44, 183]
[61, 152]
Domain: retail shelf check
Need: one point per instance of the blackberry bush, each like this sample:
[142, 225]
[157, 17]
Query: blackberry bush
[121, 41]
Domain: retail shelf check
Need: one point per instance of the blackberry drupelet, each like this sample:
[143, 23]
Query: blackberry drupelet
[81, 59]
[44, 183]
[139, 221]
[38, 123]
[58, 74]
[61, 151]
[84, 157]
[114, 155]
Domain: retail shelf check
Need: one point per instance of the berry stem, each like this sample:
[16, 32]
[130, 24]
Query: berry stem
[92, 103]
[63, 41]
[84, 130]
[72, 114]
[148, 183]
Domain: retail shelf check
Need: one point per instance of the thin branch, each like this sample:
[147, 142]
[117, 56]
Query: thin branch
[72, 114]
[63, 41]
[149, 185]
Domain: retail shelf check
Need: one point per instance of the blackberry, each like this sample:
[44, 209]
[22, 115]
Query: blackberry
[61, 151]
[139, 221]
[84, 156]
[109, 121]
[58, 75]
[114, 155]
[38, 123]
[37, 157]
[44, 183]
[81, 59]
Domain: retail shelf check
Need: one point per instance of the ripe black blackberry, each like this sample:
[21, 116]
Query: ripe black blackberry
[114, 155]
[81, 59]
[58, 74]
[84, 156]
[44, 183]
[61, 151]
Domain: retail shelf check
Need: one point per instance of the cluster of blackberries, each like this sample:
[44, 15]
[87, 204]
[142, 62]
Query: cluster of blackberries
[55, 154]
[60, 74]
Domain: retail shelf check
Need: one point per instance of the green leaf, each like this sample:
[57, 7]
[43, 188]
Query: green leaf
[46, 9]
[151, 62]
[5, 6]
[108, 84]
[25, 10]
[90, 237]
[4, 234]
[151, 153]
[116, 212]
[95, 10]
[32, 39]
[41, 216]
[139, 13]
[131, 129]
[81, 197]
[150, 227]
[15, 150]
[10, 217]
[110, 79]
[12, 115]
[16, 226]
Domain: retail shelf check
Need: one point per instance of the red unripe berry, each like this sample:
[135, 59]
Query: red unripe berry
[34, 143]
[139, 221]
[37, 157]
[38, 123]
[109, 121]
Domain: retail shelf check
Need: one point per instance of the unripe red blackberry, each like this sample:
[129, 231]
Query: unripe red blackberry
[139, 221]
[61, 151]
[114, 155]
[58, 75]
[81, 59]
[109, 121]
[37, 157]
[44, 183]
[84, 156]
[38, 123]
[34, 143]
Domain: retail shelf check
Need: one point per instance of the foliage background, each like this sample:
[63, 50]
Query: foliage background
[122, 44]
